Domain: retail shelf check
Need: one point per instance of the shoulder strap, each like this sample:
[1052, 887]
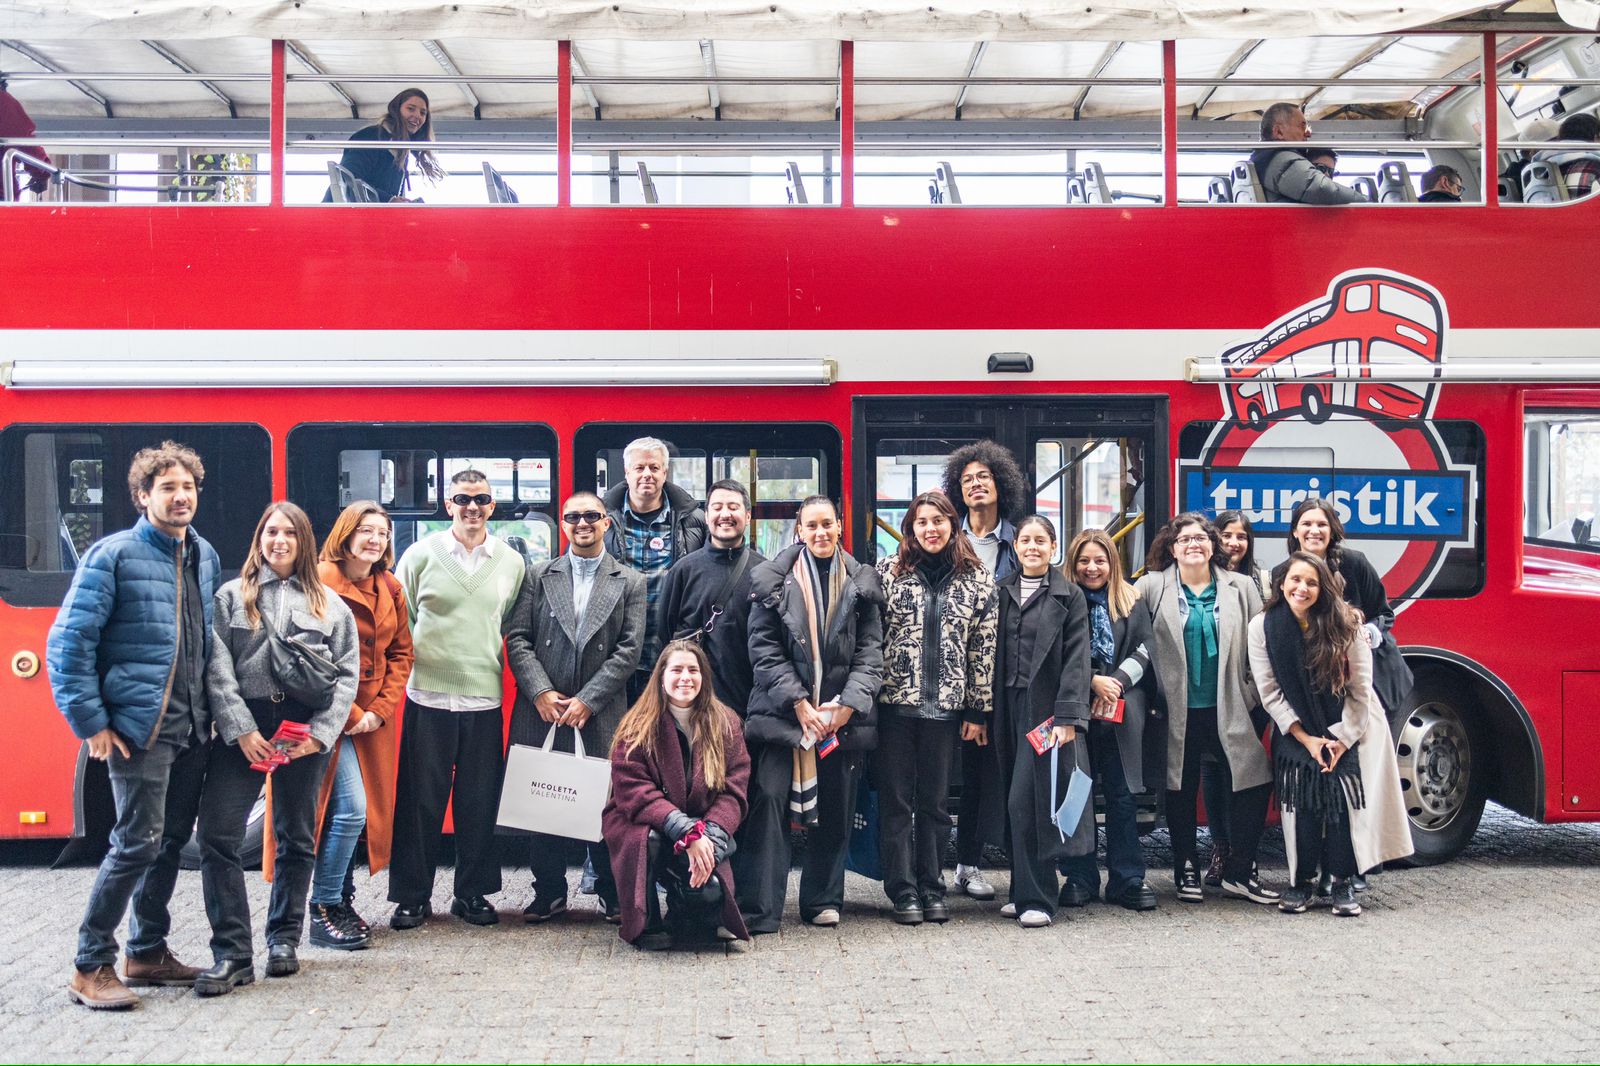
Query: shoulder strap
[720, 602]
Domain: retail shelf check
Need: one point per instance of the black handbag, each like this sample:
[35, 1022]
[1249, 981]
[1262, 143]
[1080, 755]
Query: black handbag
[302, 673]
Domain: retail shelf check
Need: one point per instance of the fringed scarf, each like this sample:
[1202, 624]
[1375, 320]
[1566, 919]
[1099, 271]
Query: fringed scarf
[1302, 786]
[819, 618]
[1102, 642]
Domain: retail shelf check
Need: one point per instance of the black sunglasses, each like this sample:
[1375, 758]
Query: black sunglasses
[576, 518]
[482, 499]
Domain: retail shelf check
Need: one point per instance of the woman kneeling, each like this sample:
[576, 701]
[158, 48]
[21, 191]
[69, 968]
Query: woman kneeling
[679, 771]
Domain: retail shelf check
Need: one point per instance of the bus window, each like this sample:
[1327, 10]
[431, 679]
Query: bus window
[779, 465]
[906, 468]
[408, 468]
[1563, 491]
[1093, 483]
[54, 503]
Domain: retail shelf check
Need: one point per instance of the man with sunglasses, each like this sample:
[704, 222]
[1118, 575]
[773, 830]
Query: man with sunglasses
[1441, 185]
[1287, 175]
[460, 586]
[573, 642]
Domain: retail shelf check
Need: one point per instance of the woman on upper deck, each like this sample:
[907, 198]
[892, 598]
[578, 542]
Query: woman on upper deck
[387, 170]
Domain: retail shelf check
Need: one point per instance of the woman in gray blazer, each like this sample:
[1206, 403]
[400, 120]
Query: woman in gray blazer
[1199, 616]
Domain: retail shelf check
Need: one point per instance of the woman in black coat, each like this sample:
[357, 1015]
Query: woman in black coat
[1120, 657]
[1315, 527]
[387, 170]
[1043, 677]
[816, 651]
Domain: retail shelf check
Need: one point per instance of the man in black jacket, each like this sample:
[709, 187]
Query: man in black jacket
[707, 593]
[654, 523]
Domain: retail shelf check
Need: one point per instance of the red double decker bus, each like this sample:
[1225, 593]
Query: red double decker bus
[1155, 338]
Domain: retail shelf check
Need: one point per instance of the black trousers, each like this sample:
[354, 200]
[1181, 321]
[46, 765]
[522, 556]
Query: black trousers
[978, 817]
[913, 768]
[230, 791]
[1216, 785]
[549, 857]
[1247, 809]
[761, 862]
[445, 757]
[689, 910]
[1323, 840]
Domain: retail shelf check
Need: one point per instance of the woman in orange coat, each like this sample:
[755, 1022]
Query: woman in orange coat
[359, 787]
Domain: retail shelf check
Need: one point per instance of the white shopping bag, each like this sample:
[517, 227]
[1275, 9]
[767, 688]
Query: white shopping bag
[547, 791]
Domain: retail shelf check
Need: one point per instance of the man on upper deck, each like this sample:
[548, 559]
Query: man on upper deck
[1286, 175]
[1441, 185]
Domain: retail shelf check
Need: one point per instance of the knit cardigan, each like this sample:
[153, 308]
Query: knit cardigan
[457, 618]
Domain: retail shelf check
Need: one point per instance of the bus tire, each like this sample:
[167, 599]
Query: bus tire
[249, 848]
[1445, 767]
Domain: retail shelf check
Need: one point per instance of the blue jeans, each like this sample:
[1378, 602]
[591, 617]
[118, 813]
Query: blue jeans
[1124, 858]
[341, 830]
[157, 793]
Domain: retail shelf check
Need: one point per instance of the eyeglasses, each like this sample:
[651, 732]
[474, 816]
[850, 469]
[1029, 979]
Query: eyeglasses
[1192, 538]
[1329, 171]
[374, 534]
[582, 518]
[482, 499]
[981, 475]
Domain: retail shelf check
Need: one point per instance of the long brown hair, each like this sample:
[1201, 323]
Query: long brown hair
[1120, 596]
[958, 552]
[336, 547]
[709, 718]
[305, 563]
[1331, 624]
[427, 162]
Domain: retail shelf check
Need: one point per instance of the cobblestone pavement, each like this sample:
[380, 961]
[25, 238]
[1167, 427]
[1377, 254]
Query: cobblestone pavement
[1489, 958]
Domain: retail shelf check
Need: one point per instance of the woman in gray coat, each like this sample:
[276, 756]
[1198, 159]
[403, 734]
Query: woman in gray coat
[1199, 613]
[277, 592]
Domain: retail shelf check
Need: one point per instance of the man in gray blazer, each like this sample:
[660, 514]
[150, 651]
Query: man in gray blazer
[573, 641]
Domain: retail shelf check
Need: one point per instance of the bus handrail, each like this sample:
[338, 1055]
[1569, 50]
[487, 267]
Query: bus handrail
[878, 521]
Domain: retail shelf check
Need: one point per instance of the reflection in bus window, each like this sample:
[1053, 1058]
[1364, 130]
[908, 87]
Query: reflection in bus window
[54, 504]
[1093, 483]
[525, 480]
[401, 480]
[1564, 479]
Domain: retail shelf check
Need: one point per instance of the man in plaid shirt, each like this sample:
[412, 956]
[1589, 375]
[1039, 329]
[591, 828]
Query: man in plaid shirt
[654, 523]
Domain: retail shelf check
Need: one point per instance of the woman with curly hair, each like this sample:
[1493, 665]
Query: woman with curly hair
[989, 492]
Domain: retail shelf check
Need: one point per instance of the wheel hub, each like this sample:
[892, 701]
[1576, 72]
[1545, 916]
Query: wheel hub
[1435, 757]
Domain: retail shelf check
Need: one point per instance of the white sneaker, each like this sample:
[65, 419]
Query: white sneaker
[1033, 920]
[827, 916]
[1008, 911]
[970, 879]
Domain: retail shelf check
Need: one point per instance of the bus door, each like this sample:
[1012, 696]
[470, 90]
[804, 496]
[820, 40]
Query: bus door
[1091, 462]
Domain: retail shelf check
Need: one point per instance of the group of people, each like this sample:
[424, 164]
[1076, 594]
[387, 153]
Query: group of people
[737, 696]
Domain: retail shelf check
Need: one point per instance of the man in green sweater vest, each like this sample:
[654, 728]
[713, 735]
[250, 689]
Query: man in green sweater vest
[460, 587]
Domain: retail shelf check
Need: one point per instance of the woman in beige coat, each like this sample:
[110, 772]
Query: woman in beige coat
[1338, 784]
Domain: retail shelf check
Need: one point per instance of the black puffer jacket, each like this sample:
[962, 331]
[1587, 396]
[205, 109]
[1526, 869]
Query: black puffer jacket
[852, 652]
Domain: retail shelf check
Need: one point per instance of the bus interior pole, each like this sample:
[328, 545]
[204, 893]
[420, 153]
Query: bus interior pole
[276, 123]
[564, 124]
[1169, 122]
[847, 123]
[1491, 121]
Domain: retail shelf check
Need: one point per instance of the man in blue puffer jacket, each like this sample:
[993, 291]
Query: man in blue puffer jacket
[127, 659]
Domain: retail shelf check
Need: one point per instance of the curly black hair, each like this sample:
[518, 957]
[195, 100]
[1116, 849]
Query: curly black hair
[1011, 485]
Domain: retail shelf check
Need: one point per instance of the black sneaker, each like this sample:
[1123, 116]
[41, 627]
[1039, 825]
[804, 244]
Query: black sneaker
[908, 910]
[1344, 898]
[348, 915]
[1190, 890]
[1359, 882]
[1324, 886]
[543, 908]
[329, 929]
[1296, 898]
[1252, 889]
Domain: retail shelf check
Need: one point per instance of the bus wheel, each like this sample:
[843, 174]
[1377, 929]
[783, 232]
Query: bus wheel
[1315, 404]
[1444, 773]
[249, 848]
[1255, 417]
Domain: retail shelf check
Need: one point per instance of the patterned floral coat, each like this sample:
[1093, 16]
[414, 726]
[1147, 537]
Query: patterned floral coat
[968, 622]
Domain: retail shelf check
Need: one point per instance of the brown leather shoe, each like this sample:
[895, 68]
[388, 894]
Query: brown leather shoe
[163, 969]
[101, 989]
